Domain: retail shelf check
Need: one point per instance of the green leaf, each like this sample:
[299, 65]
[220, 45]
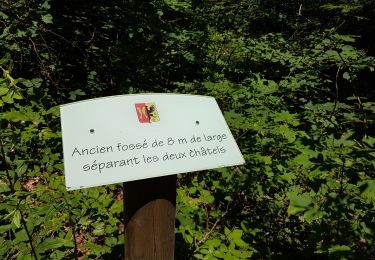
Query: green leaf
[338, 250]
[21, 169]
[188, 238]
[17, 95]
[5, 246]
[3, 91]
[346, 38]
[369, 140]
[235, 234]
[213, 242]
[111, 241]
[8, 98]
[21, 236]
[287, 118]
[346, 76]
[97, 249]
[226, 231]
[368, 190]
[53, 243]
[17, 218]
[36, 82]
[22, 115]
[3, 15]
[298, 202]
[5, 228]
[47, 18]
[99, 229]
[78, 92]
[46, 5]
[313, 214]
[207, 197]
[4, 187]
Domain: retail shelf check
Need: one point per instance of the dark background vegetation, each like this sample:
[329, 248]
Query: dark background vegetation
[294, 79]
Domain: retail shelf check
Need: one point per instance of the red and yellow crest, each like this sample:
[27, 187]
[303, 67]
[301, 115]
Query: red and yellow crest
[147, 112]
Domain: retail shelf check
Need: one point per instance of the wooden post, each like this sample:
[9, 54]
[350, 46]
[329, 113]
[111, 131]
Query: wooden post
[150, 212]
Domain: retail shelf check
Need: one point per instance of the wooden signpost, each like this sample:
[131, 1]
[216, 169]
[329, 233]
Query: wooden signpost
[150, 210]
[144, 141]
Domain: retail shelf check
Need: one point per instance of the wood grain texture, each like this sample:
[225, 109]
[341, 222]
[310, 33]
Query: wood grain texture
[150, 212]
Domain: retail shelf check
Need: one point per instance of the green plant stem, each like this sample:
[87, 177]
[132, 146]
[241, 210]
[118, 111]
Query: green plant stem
[5, 166]
[28, 234]
[73, 224]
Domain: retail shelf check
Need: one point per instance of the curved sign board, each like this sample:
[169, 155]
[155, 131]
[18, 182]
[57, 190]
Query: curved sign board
[124, 138]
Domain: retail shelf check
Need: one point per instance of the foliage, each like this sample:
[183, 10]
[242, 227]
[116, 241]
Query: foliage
[294, 80]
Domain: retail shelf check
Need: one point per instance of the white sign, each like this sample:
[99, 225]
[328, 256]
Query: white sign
[124, 138]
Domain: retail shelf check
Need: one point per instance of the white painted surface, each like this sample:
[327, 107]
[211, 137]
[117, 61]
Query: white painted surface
[115, 120]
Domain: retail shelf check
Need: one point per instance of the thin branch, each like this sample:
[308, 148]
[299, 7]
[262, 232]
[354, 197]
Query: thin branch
[337, 92]
[349, 69]
[245, 132]
[358, 143]
[59, 36]
[356, 93]
[207, 235]
[300, 10]
[92, 37]
[65, 40]
[36, 51]
[313, 68]
[44, 70]
[238, 170]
